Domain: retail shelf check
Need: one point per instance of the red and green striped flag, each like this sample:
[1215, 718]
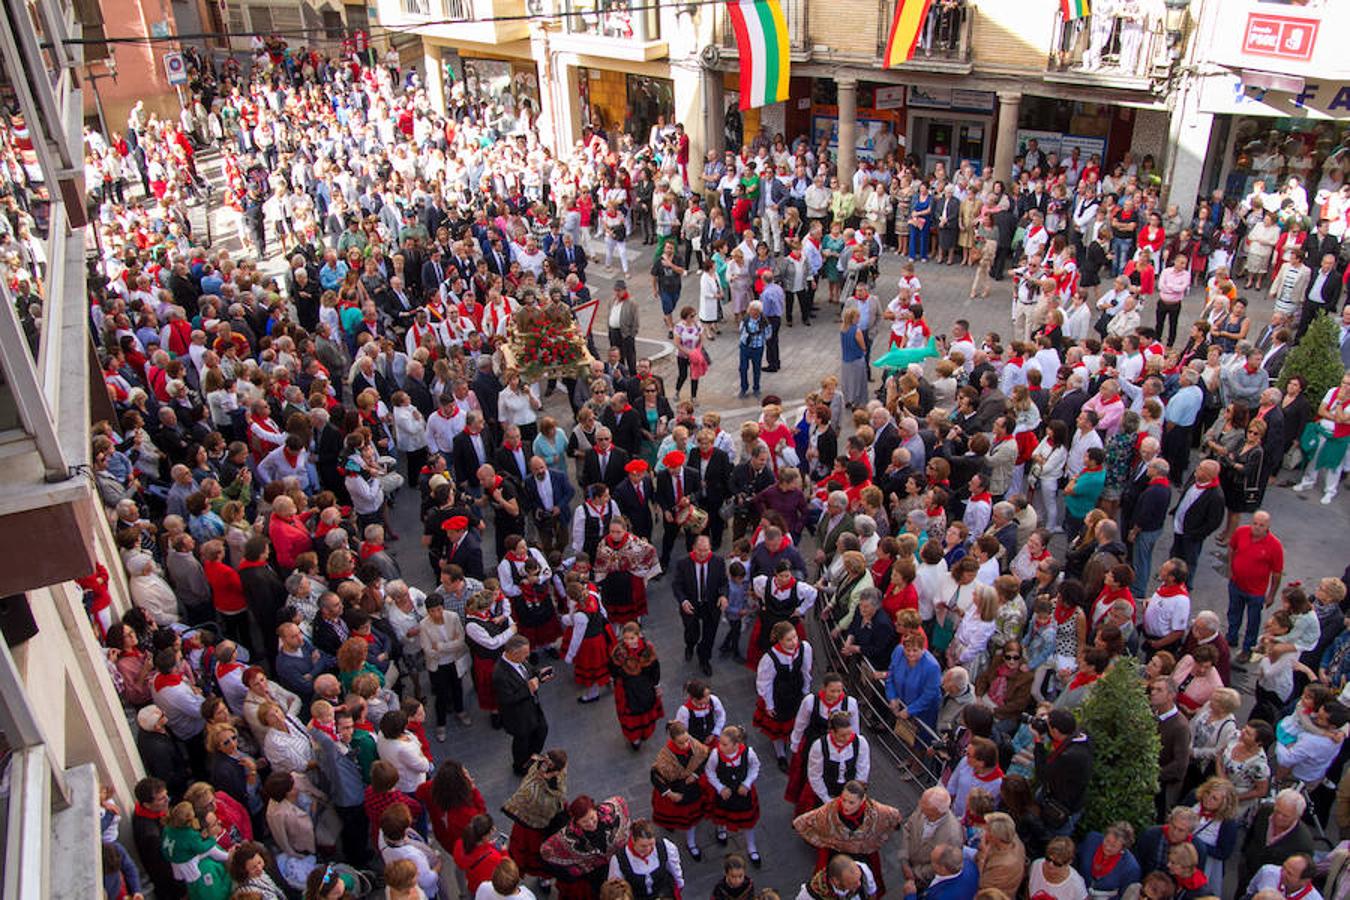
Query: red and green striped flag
[762, 42]
[1074, 9]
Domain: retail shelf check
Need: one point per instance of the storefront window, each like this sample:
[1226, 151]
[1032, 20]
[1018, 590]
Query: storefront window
[1275, 149]
[649, 99]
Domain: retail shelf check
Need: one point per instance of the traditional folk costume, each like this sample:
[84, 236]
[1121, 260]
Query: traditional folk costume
[637, 675]
[861, 835]
[705, 721]
[532, 605]
[781, 680]
[831, 765]
[656, 876]
[813, 723]
[589, 637]
[741, 769]
[580, 859]
[487, 633]
[789, 604]
[537, 810]
[672, 771]
[622, 569]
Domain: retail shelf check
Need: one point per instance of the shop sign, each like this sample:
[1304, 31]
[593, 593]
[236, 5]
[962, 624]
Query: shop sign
[890, 97]
[1318, 100]
[951, 98]
[1283, 37]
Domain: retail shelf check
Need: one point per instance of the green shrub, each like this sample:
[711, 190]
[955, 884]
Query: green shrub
[1125, 748]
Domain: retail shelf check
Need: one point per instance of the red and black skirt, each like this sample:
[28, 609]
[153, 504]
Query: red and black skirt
[636, 725]
[625, 597]
[524, 850]
[591, 665]
[482, 683]
[796, 775]
[736, 813]
[774, 728]
[806, 800]
[678, 815]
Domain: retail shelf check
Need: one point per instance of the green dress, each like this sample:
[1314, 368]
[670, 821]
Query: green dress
[831, 268]
[198, 862]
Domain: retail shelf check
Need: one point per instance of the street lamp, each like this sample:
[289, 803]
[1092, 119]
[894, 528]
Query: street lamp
[1175, 19]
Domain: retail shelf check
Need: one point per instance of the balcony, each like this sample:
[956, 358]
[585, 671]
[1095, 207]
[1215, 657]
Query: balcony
[475, 21]
[945, 41]
[1111, 53]
[619, 29]
[796, 12]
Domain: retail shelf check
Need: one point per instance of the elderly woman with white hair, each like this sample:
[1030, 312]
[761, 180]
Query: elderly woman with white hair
[149, 590]
[970, 645]
[404, 609]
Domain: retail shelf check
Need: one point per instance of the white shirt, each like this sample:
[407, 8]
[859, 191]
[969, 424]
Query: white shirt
[1078, 450]
[646, 866]
[1267, 878]
[816, 758]
[1164, 614]
[764, 675]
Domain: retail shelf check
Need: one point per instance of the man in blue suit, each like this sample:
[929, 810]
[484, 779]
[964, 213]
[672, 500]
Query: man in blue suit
[955, 876]
[548, 497]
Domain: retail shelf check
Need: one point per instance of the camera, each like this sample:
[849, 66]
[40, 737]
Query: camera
[1038, 724]
[545, 673]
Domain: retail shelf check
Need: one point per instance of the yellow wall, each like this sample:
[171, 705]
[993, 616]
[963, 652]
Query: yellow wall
[1013, 35]
[608, 93]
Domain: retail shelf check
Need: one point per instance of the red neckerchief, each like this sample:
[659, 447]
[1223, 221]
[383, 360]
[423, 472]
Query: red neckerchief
[633, 851]
[368, 549]
[496, 484]
[1160, 480]
[1195, 880]
[935, 511]
[518, 557]
[1204, 486]
[1092, 468]
[982, 497]
[1307, 888]
[820, 695]
[328, 728]
[789, 656]
[994, 774]
[508, 445]
[792, 582]
[838, 746]
[225, 668]
[364, 725]
[735, 758]
[1064, 613]
[1171, 590]
[149, 813]
[1037, 557]
[292, 459]
[609, 541]
[677, 750]
[1082, 679]
[707, 454]
[1102, 865]
[703, 561]
[164, 682]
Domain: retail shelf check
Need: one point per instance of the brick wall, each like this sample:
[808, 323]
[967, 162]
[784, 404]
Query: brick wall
[1013, 34]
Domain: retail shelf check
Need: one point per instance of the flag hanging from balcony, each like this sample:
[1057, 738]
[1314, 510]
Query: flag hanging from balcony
[905, 30]
[762, 42]
[1074, 9]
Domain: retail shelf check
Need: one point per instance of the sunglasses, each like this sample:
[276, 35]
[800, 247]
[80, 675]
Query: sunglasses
[1012, 656]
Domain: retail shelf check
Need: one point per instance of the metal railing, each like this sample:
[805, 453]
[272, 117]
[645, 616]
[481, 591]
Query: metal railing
[417, 7]
[613, 19]
[863, 683]
[1108, 45]
[456, 9]
[946, 32]
[795, 12]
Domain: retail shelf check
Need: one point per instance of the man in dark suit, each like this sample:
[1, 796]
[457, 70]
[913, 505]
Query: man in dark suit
[1324, 289]
[1321, 242]
[624, 423]
[634, 496]
[468, 451]
[326, 445]
[714, 475]
[548, 500]
[604, 462]
[700, 585]
[433, 271]
[516, 683]
[416, 389]
[463, 547]
[1070, 403]
[674, 483]
[1199, 514]
[486, 386]
[1275, 352]
[512, 459]
[570, 259]
[498, 260]
[886, 438]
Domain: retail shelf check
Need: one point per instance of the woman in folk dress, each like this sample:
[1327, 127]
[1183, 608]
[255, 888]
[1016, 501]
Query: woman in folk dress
[637, 685]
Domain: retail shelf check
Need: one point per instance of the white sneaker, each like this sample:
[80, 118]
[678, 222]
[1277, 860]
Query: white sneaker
[1301, 487]
[1327, 498]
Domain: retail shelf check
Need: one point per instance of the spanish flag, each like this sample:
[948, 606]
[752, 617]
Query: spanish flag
[905, 30]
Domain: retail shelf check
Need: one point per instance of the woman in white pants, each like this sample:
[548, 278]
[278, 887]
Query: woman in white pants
[1333, 434]
[612, 225]
[1048, 462]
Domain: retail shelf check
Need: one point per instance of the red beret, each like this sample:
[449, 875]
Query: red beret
[456, 523]
[674, 459]
[636, 465]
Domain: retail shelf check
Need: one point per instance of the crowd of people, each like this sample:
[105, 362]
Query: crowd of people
[976, 544]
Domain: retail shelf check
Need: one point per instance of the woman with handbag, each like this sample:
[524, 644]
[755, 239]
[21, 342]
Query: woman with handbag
[690, 357]
[1240, 477]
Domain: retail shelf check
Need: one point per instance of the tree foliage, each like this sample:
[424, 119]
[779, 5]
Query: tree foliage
[1125, 747]
[1317, 358]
